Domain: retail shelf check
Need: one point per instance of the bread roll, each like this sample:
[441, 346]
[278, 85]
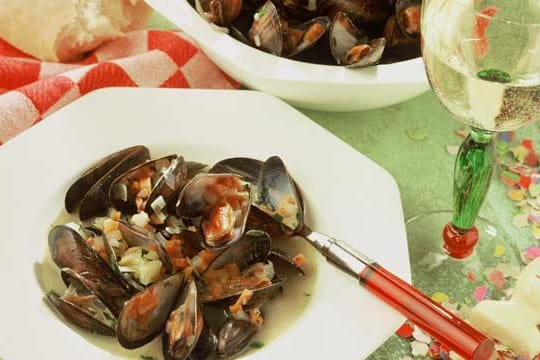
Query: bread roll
[61, 30]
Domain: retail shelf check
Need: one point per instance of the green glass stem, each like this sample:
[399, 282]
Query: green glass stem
[474, 166]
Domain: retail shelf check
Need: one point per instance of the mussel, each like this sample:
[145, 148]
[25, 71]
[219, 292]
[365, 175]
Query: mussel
[145, 314]
[184, 326]
[81, 306]
[219, 12]
[93, 187]
[272, 33]
[217, 205]
[234, 336]
[350, 46]
[149, 187]
[69, 250]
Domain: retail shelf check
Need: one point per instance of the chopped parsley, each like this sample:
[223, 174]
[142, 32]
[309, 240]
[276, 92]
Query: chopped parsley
[277, 217]
[256, 344]
[146, 357]
[307, 294]
[144, 252]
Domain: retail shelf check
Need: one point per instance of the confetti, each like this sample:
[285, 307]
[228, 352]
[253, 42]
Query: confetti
[463, 133]
[481, 293]
[405, 331]
[534, 188]
[417, 134]
[509, 178]
[507, 136]
[496, 277]
[419, 349]
[452, 149]
[532, 253]
[520, 221]
[516, 194]
[434, 351]
[421, 336]
[471, 276]
[440, 297]
[500, 250]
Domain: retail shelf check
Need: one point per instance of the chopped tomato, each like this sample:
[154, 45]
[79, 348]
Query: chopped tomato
[141, 307]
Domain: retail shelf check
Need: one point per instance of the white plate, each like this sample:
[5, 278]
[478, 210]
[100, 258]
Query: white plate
[348, 196]
[311, 86]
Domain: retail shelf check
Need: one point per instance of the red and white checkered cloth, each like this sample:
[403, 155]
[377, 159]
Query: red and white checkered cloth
[31, 89]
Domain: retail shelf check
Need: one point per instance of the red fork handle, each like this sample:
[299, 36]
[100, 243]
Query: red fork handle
[438, 322]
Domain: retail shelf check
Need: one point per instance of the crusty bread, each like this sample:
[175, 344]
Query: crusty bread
[61, 30]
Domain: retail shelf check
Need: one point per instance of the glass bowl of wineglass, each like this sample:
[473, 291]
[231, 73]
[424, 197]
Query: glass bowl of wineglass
[482, 58]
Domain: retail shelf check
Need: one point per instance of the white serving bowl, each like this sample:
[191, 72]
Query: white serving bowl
[309, 86]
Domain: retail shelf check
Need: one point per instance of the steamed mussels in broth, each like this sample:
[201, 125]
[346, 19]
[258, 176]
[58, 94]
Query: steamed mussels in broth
[176, 249]
[377, 31]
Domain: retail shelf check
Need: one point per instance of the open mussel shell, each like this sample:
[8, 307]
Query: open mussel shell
[123, 193]
[163, 195]
[280, 258]
[206, 345]
[69, 250]
[248, 168]
[234, 336]
[266, 32]
[301, 37]
[278, 196]
[408, 14]
[96, 202]
[253, 247]
[184, 325]
[79, 316]
[145, 314]
[230, 295]
[350, 46]
[219, 12]
[217, 205]
[91, 176]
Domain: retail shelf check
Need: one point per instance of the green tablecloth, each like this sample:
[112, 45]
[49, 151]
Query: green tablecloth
[422, 169]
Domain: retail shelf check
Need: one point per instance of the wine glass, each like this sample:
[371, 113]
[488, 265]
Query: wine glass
[482, 58]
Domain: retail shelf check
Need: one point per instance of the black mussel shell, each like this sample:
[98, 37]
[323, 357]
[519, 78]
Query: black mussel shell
[91, 176]
[231, 294]
[248, 168]
[145, 314]
[220, 12]
[278, 195]
[253, 247]
[344, 35]
[299, 38]
[279, 257]
[266, 32]
[234, 336]
[113, 259]
[69, 250]
[184, 325]
[166, 190]
[206, 345]
[408, 14]
[122, 197]
[96, 201]
[78, 315]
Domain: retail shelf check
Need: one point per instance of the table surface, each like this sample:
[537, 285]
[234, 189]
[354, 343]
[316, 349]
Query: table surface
[423, 169]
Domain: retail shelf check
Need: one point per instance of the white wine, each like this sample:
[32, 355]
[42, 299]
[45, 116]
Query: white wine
[482, 66]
